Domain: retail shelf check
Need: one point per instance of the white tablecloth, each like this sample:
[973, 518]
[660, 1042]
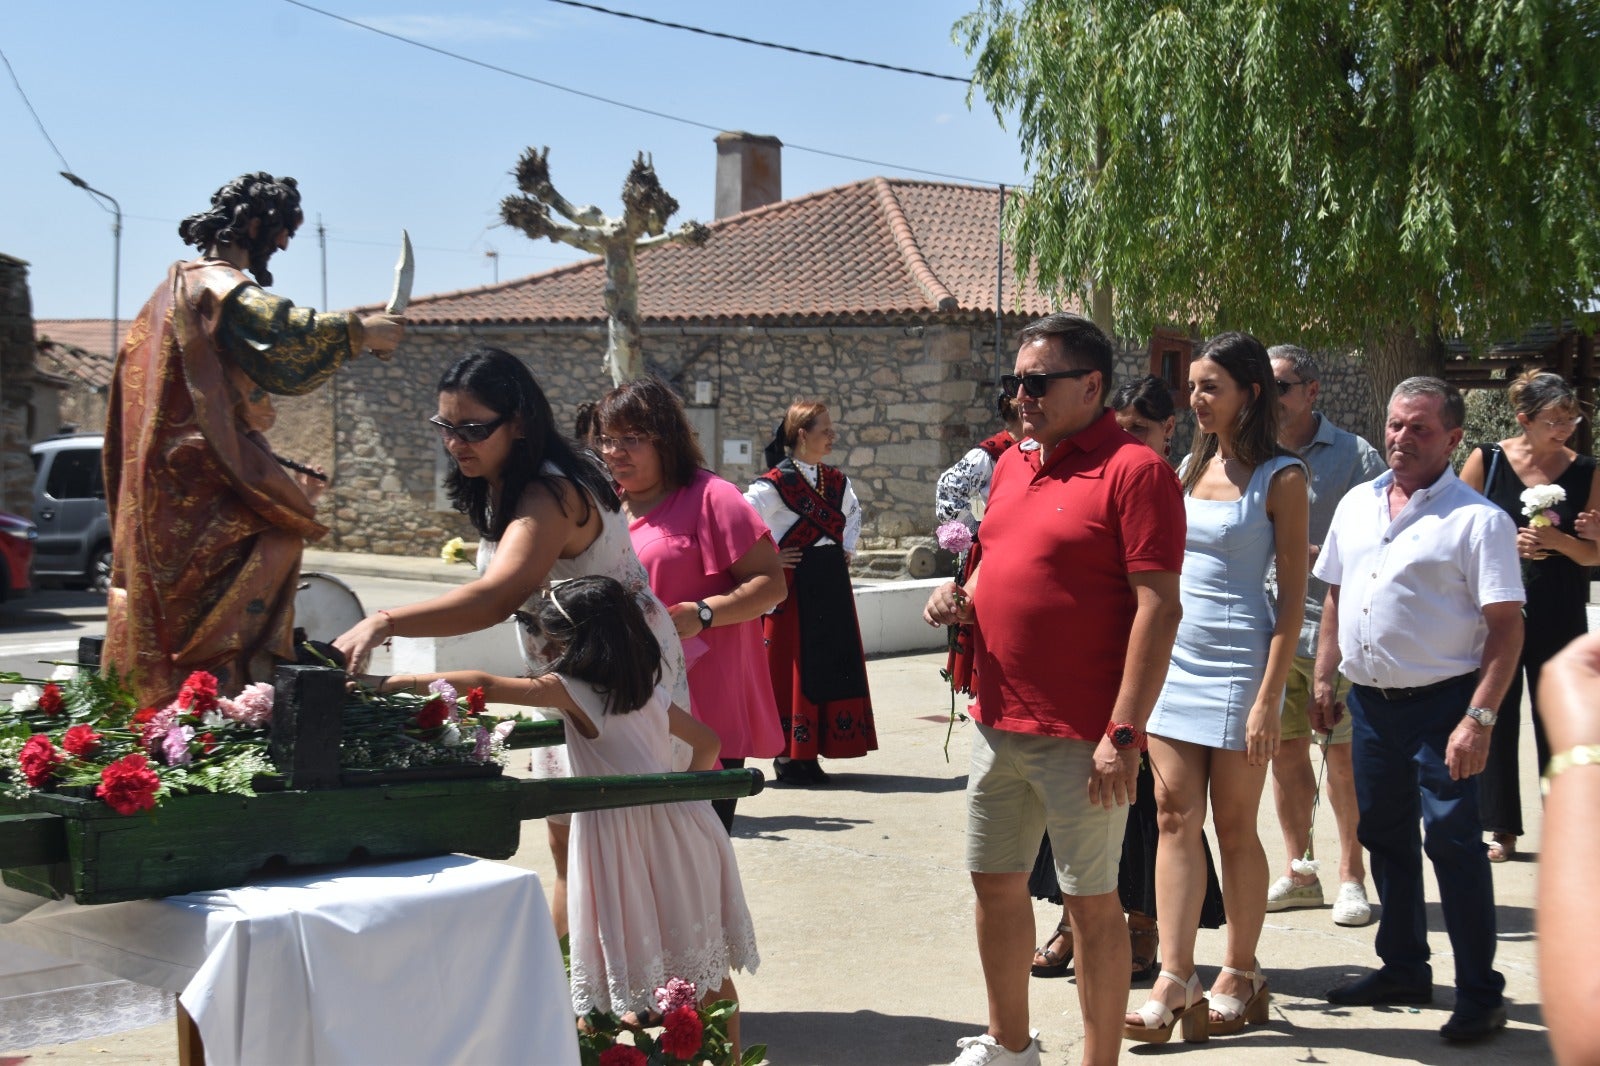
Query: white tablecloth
[440, 960]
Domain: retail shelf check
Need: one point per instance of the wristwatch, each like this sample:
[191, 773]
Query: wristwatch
[1125, 736]
[1483, 716]
[704, 611]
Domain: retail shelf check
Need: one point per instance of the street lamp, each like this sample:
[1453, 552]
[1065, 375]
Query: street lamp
[116, 252]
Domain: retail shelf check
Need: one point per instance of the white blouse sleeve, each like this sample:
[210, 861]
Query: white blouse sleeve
[852, 517]
[763, 496]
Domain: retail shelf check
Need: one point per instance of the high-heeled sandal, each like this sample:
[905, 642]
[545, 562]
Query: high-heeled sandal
[1056, 963]
[1143, 944]
[1233, 1014]
[1502, 847]
[1159, 1020]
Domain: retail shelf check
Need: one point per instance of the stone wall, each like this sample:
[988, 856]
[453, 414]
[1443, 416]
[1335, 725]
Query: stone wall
[16, 388]
[907, 401]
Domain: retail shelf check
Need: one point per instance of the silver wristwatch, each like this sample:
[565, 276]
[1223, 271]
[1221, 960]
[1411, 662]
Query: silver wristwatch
[1483, 716]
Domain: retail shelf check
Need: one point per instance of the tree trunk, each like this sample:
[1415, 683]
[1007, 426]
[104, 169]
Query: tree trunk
[1391, 355]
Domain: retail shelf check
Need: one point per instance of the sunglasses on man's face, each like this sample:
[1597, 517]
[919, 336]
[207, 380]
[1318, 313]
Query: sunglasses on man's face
[1036, 384]
[467, 432]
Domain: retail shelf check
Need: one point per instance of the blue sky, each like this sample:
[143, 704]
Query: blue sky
[158, 104]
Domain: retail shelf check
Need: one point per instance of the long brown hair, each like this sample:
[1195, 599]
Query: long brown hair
[1244, 359]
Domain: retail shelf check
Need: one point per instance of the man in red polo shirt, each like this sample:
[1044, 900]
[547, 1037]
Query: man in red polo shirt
[1076, 605]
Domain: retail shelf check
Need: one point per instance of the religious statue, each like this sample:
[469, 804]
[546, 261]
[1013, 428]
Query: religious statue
[207, 527]
[646, 208]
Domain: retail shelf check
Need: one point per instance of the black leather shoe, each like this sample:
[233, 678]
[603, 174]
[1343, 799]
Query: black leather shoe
[1379, 988]
[1468, 1023]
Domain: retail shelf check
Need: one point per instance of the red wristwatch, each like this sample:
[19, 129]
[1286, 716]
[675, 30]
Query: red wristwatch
[1125, 736]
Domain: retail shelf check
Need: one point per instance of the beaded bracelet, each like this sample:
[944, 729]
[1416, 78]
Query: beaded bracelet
[1580, 755]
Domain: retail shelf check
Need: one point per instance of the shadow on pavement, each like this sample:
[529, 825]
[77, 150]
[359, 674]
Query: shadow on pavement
[52, 609]
[754, 827]
[888, 784]
[820, 1038]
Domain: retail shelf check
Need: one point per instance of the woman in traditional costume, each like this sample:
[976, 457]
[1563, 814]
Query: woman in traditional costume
[819, 673]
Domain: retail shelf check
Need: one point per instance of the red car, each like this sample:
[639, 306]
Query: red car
[16, 555]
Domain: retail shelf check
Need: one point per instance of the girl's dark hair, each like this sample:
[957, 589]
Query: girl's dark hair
[646, 405]
[606, 641]
[500, 381]
[1150, 396]
[1255, 438]
[583, 423]
[1008, 410]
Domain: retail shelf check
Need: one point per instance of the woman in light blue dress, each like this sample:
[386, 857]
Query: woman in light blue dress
[1215, 727]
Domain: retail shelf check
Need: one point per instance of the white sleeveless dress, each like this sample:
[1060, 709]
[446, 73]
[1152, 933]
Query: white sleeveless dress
[612, 555]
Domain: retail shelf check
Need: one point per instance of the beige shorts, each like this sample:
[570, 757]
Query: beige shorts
[1297, 702]
[1018, 786]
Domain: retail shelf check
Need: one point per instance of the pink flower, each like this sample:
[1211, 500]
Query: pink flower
[1551, 515]
[676, 993]
[252, 707]
[175, 745]
[954, 536]
[482, 745]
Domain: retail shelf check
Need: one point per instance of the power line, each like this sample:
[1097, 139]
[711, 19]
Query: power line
[762, 44]
[627, 106]
[37, 121]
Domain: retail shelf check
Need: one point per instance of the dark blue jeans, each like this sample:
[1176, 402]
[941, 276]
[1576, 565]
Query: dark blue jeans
[1398, 750]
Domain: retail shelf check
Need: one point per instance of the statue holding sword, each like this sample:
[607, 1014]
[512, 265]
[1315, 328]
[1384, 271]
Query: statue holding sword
[207, 527]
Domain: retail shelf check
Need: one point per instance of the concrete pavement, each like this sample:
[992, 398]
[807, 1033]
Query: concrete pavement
[864, 915]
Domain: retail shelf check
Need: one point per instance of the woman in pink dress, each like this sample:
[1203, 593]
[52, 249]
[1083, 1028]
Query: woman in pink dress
[710, 559]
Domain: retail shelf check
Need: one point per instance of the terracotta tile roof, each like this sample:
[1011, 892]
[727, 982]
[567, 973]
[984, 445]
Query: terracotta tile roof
[76, 347]
[877, 249]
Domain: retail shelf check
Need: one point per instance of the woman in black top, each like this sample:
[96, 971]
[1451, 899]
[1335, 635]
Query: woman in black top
[1554, 571]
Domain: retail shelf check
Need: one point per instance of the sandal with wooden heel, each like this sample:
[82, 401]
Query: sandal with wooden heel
[1159, 1020]
[1232, 1014]
[1055, 962]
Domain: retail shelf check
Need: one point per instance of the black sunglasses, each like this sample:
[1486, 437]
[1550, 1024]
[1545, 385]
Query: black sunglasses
[1036, 384]
[1286, 387]
[467, 432]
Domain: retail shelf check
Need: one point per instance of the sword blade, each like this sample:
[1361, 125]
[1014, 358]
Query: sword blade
[404, 270]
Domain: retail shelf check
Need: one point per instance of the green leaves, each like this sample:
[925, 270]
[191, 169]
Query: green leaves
[1316, 171]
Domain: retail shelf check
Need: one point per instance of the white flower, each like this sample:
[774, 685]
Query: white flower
[451, 737]
[503, 730]
[213, 720]
[64, 672]
[26, 698]
[1306, 866]
[1541, 498]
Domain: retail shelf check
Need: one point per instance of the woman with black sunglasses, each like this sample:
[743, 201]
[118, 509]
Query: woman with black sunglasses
[543, 512]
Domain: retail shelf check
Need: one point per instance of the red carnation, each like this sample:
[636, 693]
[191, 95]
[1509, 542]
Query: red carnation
[622, 1055]
[476, 703]
[199, 693]
[38, 759]
[81, 741]
[684, 1033]
[50, 701]
[143, 717]
[129, 785]
[433, 713]
[208, 742]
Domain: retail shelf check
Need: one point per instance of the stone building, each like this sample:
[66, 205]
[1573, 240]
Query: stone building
[19, 386]
[72, 353]
[880, 297]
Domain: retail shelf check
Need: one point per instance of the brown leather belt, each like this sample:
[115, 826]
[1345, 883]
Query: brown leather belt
[1395, 695]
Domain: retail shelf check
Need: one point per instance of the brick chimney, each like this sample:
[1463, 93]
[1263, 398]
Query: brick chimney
[749, 172]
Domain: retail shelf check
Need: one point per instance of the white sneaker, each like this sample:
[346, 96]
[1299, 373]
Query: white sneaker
[1352, 908]
[984, 1051]
[1285, 895]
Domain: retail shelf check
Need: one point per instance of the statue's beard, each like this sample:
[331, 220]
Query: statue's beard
[261, 251]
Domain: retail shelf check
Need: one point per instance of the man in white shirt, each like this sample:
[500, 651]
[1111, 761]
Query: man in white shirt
[1424, 616]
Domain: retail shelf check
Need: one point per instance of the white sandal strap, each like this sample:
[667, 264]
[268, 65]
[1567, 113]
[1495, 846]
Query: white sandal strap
[1227, 1006]
[1155, 1014]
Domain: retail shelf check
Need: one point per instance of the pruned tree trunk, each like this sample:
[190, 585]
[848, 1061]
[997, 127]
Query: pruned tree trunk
[1391, 355]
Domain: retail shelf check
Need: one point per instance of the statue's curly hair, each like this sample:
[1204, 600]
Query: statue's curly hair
[275, 201]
